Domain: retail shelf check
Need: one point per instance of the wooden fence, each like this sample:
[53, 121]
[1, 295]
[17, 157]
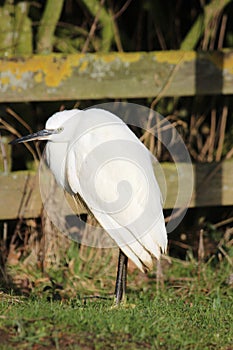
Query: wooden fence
[117, 75]
[213, 185]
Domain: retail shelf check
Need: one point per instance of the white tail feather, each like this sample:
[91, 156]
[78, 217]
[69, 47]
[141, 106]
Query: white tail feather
[139, 249]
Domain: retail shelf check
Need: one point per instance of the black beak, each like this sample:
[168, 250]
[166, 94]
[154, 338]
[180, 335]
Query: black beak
[40, 135]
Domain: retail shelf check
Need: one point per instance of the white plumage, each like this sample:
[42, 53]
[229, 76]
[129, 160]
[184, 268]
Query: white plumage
[93, 153]
[75, 155]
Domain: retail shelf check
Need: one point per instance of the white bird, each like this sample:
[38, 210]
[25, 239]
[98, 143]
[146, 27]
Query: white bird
[93, 154]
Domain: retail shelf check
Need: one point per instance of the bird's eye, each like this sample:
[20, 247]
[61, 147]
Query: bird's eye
[60, 130]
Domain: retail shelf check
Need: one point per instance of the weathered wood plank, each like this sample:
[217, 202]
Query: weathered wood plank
[115, 75]
[20, 195]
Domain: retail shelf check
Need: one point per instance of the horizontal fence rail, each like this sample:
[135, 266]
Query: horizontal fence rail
[213, 186]
[115, 75]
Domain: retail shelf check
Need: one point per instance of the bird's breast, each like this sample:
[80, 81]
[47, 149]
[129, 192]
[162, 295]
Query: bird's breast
[56, 158]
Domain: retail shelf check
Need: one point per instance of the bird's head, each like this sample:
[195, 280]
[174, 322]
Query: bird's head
[53, 128]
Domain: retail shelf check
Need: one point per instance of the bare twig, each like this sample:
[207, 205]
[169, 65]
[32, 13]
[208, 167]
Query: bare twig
[201, 251]
[225, 255]
[222, 31]
[155, 101]
[19, 119]
[116, 32]
[102, 16]
[229, 154]
[123, 9]
[22, 122]
[201, 255]
[223, 222]
[192, 129]
[204, 150]
[214, 24]
[168, 83]
[15, 132]
[93, 28]
[160, 37]
[210, 156]
[223, 123]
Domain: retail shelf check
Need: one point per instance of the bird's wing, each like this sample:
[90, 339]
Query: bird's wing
[112, 171]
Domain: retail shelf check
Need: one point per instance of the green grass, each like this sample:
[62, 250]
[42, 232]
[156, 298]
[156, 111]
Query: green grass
[158, 322]
[191, 309]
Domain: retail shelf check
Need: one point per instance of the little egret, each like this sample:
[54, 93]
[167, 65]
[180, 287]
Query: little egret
[94, 155]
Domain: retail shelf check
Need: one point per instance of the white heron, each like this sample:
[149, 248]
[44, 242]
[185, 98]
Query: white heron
[136, 222]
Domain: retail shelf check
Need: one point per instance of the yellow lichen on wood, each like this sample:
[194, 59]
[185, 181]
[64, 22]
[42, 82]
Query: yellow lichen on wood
[5, 80]
[52, 69]
[38, 77]
[107, 58]
[83, 66]
[130, 57]
[175, 57]
[228, 62]
[115, 75]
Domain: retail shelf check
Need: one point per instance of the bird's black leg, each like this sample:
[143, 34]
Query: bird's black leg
[121, 277]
